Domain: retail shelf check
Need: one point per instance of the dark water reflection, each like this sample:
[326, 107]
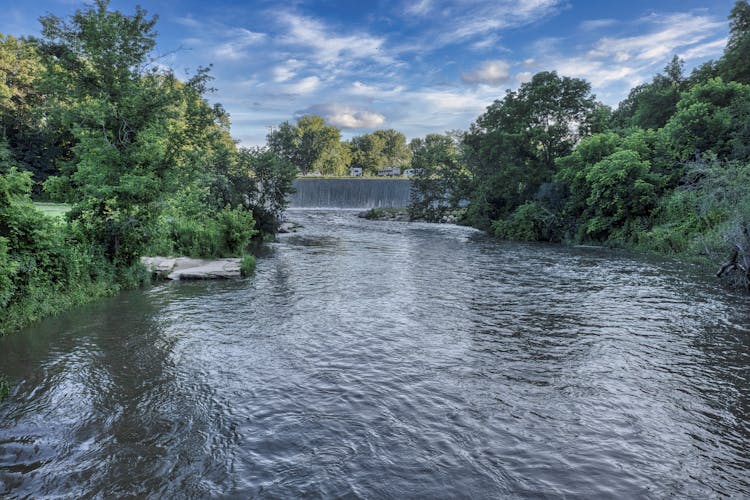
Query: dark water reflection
[379, 360]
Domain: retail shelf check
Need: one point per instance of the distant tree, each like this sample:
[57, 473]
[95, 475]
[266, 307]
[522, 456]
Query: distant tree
[263, 182]
[368, 152]
[650, 105]
[734, 65]
[284, 141]
[439, 178]
[310, 145]
[395, 150]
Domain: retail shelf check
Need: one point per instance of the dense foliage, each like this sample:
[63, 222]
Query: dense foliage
[145, 160]
[667, 171]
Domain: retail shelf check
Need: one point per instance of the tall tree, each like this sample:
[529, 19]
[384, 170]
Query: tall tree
[650, 105]
[32, 140]
[439, 176]
[512, 147]
[367, 152]
[734, 66]
[130, 121]
[395, 150]
[310, 145]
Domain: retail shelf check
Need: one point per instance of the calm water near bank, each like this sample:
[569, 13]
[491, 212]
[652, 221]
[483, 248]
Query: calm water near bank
[390, 360]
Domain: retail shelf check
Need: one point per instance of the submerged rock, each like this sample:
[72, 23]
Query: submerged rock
[185, 268]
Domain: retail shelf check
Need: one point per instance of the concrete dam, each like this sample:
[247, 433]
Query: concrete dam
[350, 193]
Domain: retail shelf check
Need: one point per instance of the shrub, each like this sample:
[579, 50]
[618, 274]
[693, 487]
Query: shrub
[529, 222]
[248, 265]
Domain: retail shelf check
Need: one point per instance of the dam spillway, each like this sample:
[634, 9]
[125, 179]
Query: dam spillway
[350, 193]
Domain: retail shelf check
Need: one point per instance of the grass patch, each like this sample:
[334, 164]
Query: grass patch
[52, 209]
[248, 265]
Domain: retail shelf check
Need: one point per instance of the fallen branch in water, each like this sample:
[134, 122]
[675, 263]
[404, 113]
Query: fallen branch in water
[732, 264]
[739, 261]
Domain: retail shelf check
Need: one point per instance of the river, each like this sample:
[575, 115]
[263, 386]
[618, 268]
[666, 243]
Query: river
[390, 360]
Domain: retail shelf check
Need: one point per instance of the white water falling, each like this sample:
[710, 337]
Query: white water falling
[350, 193]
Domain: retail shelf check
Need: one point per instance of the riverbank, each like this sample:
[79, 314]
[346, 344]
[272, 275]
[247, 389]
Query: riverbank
[404, 215]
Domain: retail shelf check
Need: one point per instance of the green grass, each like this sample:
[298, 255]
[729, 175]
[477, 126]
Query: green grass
[248, 265]
[52, 209]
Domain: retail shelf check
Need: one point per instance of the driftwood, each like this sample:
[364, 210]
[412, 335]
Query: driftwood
[739, 260]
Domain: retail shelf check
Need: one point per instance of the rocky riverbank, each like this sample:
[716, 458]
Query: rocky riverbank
[402, 215]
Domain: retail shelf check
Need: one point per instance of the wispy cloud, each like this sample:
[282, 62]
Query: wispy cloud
[237, 45]
[327, 46]
[455, 21]
[614, 64]
[304, 86]
[345, 116]
[489, 73]
[419, 7]
[671, 32]
[597, 24]
[375, 92]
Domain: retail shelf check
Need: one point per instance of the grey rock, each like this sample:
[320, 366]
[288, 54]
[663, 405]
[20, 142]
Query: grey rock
[185, 268]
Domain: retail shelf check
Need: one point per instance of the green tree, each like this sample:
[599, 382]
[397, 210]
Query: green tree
[734, 65]
[263, 182]
[29, 135]
[512, 147]
[395, 150]
[134, 126]
[310, 145]
[368, 152]
[439, 178]
[711, 118]
[650, 105]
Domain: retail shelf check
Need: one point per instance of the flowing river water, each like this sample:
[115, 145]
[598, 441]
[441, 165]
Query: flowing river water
[390, 360]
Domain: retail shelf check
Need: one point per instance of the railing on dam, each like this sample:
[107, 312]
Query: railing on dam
[350, 193]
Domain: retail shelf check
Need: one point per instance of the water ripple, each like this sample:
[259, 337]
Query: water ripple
[389, 360]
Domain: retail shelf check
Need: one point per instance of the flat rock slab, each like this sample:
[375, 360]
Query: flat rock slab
[185, 268]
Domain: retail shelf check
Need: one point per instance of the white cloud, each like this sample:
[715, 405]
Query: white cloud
[524, 77]
[188, 21]
[597, 24]
[489, 73]
[614, 64]
[330, 48]
[236, 47]
[374, 92]
[672, 32]
[304, 86]
[348, 117]
[419, 8]
[457, 20]
[713, 48]
[286, 71]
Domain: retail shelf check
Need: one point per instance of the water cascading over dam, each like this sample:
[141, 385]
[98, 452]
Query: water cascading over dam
[350, 193]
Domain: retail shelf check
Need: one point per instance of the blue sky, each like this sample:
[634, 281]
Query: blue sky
[418, 66]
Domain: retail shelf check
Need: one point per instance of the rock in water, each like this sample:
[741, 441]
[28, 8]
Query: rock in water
[185, 268]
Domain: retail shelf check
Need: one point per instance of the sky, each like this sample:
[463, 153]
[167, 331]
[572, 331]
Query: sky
[418, 66]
